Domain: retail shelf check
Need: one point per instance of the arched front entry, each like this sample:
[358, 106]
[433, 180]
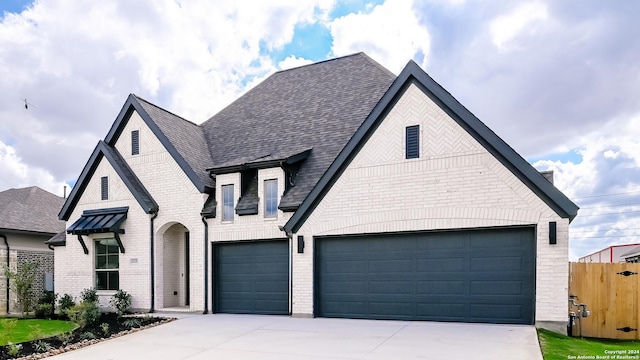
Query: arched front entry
[172, 266]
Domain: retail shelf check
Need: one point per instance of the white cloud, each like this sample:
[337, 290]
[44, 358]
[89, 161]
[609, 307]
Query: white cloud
[292, 62]
[606, 185]
[391, 34]
[523, 19]
[14, 173]
[77, 61]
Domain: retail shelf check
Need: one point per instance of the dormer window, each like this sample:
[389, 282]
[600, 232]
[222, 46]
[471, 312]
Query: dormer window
[271, 198]
[227, 202]
[135, 142]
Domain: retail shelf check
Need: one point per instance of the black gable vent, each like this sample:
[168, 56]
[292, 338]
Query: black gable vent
[413, 142]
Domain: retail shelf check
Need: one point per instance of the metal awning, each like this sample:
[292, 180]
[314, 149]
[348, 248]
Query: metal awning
[100, 221]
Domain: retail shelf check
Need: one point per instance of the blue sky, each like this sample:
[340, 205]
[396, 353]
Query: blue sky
[557, 82]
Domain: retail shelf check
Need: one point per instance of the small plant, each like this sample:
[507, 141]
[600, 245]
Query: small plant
[83, 314]
[65, 338]
[89, 295]
[105, 328]
[36, 332]
[66, 302]
[22, 283]
[121, 300]
[132, 322]
[42, 346]
[44, 311]
[48, 297]
[88, 335]
[8, 326]
[13, 349]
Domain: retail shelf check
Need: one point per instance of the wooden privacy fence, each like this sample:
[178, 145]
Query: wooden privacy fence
[610, 292]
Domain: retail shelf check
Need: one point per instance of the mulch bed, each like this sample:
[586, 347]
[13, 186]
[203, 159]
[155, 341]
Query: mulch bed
[86, 336]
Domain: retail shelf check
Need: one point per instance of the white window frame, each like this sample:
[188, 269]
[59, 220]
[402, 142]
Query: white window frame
[107, 269]
[228, 202]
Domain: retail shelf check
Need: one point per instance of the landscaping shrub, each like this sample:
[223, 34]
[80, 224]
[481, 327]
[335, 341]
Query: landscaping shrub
[89, 295]
[22, 283]
[44, 311]
[121, 300]
[66, 302]
[85, 313]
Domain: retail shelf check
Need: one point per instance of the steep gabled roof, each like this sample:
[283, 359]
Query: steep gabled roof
[104, 150]
[30, 209]
[183, 139]
[317, 106]
[413, 74]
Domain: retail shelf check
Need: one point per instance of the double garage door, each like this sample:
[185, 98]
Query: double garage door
[464, 276]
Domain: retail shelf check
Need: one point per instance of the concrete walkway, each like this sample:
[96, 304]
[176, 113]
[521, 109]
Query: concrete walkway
[223, 336]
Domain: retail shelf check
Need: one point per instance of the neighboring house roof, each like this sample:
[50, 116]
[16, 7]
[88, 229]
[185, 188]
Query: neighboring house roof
[104, 150]
[317, 106]
[413, 74]
[30, 209]
[59, 239]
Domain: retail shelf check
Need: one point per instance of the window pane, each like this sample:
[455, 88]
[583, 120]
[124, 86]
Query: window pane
[100, 248]
[101, 262]
[101, 280]
[227, 202]
[114, 280]
[112, 262]
[271, 198]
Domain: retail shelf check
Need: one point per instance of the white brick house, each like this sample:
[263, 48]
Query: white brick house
[336, 190]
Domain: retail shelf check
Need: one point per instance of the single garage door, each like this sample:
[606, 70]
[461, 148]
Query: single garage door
[251, 277]
[467, 276]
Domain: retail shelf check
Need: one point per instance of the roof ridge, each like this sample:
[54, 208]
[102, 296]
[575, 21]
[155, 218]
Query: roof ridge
[165, 110]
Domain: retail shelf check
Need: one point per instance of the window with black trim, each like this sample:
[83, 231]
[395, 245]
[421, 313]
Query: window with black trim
[271, 198]
[104, 188]
[107, 265]
[412, 142]
[135, 142]
[227, 202]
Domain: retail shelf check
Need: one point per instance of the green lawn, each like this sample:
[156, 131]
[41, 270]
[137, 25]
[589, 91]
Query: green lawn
[31, 329]
[556, 346]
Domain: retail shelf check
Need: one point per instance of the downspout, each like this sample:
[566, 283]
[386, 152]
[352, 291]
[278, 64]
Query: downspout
[206, 265]
[153, 274]
[6, 243]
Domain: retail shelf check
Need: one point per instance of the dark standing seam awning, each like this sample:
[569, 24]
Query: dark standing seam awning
[100, 221]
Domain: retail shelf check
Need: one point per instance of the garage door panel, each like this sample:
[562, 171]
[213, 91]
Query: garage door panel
[252, 277]
[451, 276]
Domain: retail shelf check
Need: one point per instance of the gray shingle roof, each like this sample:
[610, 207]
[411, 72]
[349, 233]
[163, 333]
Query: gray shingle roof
[187, 138]
[30, 209]
[317, 106]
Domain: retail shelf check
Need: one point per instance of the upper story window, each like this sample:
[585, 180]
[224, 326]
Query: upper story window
[104, 188]
[271, 198]
[227, 202]
[412, 142]
[135, 142]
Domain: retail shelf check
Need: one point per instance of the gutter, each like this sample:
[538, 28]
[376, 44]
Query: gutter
[206, 265]
[153, 277]
[6, 243]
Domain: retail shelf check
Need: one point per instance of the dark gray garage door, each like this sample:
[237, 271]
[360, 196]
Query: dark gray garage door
[468, 276]
[251, 277]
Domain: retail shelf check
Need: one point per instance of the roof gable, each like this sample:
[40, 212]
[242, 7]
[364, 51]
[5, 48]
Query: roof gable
[317, 106]
[30, 209]
[184, 140]
[103, 150]
[413, 74]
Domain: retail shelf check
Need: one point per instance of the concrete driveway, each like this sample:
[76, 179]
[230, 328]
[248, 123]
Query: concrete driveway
[223, 336]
